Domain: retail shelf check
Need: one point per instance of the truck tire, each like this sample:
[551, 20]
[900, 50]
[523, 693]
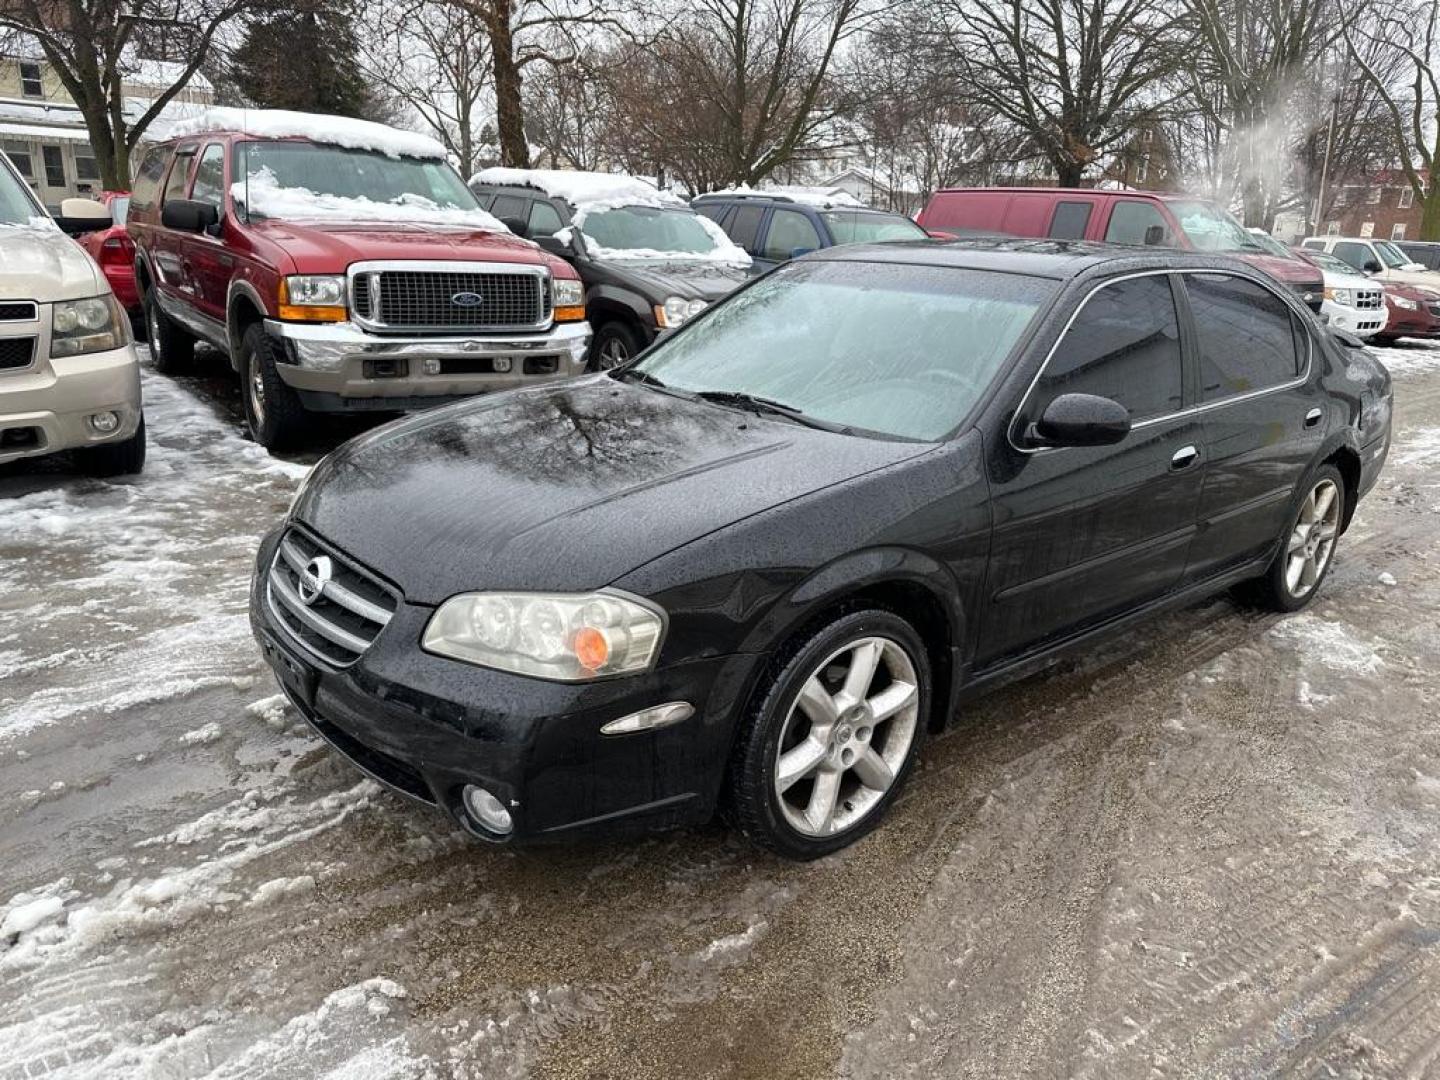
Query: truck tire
[115, 459]
[172, 347]
[273, 412]
[615, 343]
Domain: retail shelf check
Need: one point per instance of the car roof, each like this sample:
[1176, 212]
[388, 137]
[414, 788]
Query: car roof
[1071, 193]
[788, 200]
[1061, 259]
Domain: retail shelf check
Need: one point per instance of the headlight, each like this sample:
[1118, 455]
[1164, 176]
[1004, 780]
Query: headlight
[94, 324]
[676, 310]
[567, 638]
[312, 298]
[1340, 296]
[1402, 302]
[568, 292]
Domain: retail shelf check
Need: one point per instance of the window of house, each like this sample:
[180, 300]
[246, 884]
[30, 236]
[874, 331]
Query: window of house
[1246, 336]
[19, 155]
[31, 84]
[1142, 171]
[1341, 197]
[86, 167]
[1373, 195]
[1397, 232]
[1407, 198]
[1147, 137]
[1332, 228]
[1124, 344]
[54, 159]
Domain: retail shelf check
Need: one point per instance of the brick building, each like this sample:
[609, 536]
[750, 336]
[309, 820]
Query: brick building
[1383, 206]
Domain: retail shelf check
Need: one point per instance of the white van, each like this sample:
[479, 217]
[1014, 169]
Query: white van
[1378, 259]
[69, 376]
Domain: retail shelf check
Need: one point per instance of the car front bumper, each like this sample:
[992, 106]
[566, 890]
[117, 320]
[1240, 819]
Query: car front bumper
[1362, 324]
[338, 366]
[426, 726]
[47, 407]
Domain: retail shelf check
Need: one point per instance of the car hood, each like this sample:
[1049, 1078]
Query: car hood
[1428, 279]
[1347, 281]
[331, 246]
[565, 487]
[39, 262]
[693, 279]
[1290, 271]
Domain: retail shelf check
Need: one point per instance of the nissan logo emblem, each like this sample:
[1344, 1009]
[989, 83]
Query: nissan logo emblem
[313, 579]
[467, 299]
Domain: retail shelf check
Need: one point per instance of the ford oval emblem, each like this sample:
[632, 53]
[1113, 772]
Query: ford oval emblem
[467, 299]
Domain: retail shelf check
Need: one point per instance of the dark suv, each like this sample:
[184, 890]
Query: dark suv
[774, 227]
[647, 260]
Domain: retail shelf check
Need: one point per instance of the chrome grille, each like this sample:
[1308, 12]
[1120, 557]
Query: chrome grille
[1368, 299]
[16, 352]
[424, 299]
[347, 607]
[18, 311]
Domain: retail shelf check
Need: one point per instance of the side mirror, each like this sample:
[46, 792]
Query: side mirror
[555, 246]
[1371, 266]
[79, 216]
[1155, 236]
[189, 215]
[516, 226]
[1080, 420]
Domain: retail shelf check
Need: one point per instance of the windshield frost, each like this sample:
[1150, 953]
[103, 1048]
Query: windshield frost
[1212, 229]
[851, 227]
[647, 230]
[899, 350]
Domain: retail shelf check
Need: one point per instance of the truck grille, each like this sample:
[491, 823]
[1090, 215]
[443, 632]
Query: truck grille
[346, 608]
[1368, 299]
[16, 352]
[18, 311]
[425, 300]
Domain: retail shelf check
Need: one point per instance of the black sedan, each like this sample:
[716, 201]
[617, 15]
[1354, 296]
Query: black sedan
[755, 567]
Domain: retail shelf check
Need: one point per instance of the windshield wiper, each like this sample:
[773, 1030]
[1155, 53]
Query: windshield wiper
[737, 400]
[641, 377]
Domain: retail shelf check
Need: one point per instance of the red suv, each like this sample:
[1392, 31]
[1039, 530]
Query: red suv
[341, 265]
[1146, 218]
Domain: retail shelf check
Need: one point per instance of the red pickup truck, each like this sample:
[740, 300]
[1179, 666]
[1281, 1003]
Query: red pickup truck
[341, 265]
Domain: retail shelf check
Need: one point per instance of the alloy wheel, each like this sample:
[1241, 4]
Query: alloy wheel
[613, 353]
[1312, 541]
[255, 385]
[152, 330]
[847, 736]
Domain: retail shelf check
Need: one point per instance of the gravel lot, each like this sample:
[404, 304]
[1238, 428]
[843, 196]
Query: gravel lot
[1211, 848]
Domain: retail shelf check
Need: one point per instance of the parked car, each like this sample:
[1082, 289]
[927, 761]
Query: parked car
[1424, 252]
[1137, 218]
[1413, 312]
[776, 227]
[814, 519]
[69, 377]
[648, 261]
[1353, 302]
[341, 265]
[114, 252]
[1379, 259]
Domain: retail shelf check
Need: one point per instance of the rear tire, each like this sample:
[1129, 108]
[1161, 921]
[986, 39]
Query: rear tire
[615, 343]
[171, 346]
[1307, 546]
[273, 412]
[826, 747]
[115, 459]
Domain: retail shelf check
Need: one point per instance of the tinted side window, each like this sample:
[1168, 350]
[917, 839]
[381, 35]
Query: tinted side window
[1314, 245]
[788, 231]
[1124, 344]
[1071, 220]
[175, 184]
[1131, 220]
[209, 184]
[147, 179]
[711, 210]
[1245, 334]
[544, 219]
[745, 225]
[1353, 253]
[508, 206]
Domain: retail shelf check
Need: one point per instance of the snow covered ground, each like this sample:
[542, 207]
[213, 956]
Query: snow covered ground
[1213, 846]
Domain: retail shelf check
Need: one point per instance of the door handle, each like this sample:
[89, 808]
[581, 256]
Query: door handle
[1313, 417]
[1184, 458]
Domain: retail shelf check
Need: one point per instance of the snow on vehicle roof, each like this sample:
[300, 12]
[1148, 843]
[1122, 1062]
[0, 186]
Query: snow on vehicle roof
[264, 195]
[591, 190]
[334, 130]
[824, 198]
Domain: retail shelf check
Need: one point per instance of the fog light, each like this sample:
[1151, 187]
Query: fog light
[105, 422]
[430, 365]
[486, 809]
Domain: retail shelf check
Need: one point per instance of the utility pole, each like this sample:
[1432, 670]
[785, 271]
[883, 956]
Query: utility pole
[1325, 166]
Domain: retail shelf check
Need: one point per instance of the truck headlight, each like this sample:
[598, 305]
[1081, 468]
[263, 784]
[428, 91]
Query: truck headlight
[1340, 296]
[563, 637]
[569, 299]
[676, 310]
[312, 298]
[95, 324]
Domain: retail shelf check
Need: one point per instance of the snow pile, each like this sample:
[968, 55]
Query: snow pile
[1413, 358]
[580, 189]
[201, 736]
[823, 197]
[1329, 644]
[334, 130]
[724, 251]
[23, 914]
[264, 195]
[1421, 447]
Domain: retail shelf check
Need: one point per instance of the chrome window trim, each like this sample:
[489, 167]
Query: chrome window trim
[376, 267]
[1291, 302]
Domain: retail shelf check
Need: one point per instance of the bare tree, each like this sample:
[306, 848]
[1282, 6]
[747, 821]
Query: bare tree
[566, 111]
[90, 45]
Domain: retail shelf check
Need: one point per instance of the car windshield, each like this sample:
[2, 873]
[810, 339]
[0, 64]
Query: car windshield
[647, 231]
[896, 350]
[120, 209]
[16, 205]
[1270, 244]
[1392, 256]
[1212, 229]
[862, 227]
[326, 170]
[1331, 264]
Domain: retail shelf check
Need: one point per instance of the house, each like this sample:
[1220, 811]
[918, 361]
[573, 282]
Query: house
[1145, 162]
[1382, 205]
[43, 133]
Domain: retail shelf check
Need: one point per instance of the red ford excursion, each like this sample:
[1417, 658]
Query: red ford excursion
[341, 265]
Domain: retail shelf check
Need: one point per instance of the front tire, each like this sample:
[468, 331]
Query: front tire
[115, 459]
[833, 735]
[273, 412]
[172, 347]
[615, 344]
[1307, 547]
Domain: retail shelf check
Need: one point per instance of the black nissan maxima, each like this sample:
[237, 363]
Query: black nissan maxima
[753, 568]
